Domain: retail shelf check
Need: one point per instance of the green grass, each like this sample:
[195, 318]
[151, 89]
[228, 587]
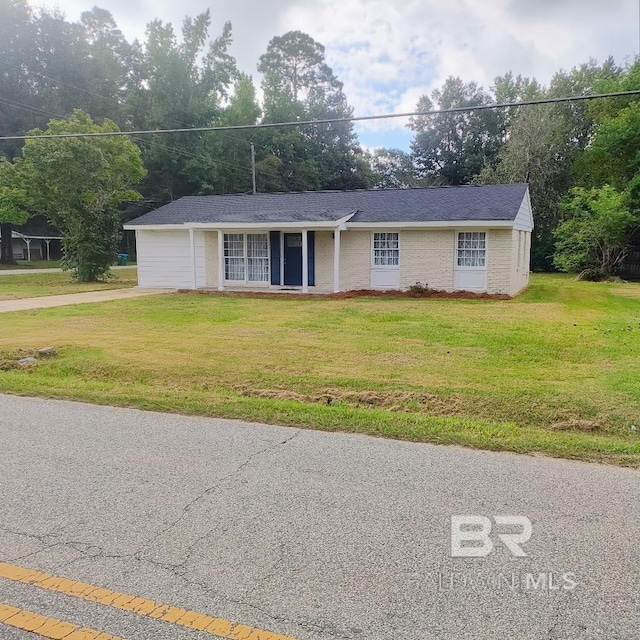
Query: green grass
[36, 284]
[34, 264]
[553, 371]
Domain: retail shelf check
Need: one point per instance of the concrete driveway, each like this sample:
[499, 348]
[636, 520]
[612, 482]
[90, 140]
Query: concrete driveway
[104, 295]
[179, 527]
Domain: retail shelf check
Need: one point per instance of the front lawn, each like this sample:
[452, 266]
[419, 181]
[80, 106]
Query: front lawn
[553, 371]
[36, 284]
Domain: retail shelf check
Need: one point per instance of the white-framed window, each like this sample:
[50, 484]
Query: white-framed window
[472, 249]
[234, 257]
[246, 257]
[386, 249]
[257, 257]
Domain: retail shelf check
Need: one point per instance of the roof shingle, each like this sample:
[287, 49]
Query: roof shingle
[437, 204]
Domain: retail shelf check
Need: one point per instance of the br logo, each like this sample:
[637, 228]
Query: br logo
[471, 535]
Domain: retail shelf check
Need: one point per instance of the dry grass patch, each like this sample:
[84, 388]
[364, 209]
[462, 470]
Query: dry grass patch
[576, 425]
[407, 401]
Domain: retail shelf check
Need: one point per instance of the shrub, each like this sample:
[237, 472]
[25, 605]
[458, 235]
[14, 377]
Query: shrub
[594, 236]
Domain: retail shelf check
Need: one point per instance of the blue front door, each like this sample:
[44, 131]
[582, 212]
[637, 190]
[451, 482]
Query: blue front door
[293, 259]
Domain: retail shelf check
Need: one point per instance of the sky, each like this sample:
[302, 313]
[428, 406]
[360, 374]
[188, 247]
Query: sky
[390, 52]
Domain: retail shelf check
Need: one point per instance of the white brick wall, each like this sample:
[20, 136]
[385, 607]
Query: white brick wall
[324, 262]
[427, 257]
[520, 260]
[500, 261]
[355, 260]
[211, 258]
[508, 264]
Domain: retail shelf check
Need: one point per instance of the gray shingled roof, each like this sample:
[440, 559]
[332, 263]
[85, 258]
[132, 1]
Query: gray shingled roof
[486, 202]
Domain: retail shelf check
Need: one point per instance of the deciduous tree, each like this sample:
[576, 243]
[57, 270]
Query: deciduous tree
[613, 157]
[15, 202]
[594, 236]
[394, 169]
[539, 151]
[79, 184]
[455, 147]
[181, 84]
[299, 85]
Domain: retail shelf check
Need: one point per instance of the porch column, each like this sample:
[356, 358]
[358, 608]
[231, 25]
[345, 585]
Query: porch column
[336, 260]
[305, 262]
[220, 260]
[47, 242]
[28, 241]
[192, 247]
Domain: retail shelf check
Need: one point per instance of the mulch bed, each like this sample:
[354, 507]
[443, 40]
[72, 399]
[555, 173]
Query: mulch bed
[359, 293]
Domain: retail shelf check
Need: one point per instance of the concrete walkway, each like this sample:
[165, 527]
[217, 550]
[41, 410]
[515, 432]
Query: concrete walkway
[24, 272]
[77, 298]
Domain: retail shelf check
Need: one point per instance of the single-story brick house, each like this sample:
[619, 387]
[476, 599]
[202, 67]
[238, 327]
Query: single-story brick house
[475, 238]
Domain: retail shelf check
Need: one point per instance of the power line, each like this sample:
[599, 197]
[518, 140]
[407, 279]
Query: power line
[191, 155]
[38, 111]
[25, 107]
[102, 97]
[302, 123]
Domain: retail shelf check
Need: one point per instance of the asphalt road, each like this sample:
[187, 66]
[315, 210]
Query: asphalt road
[311, 535]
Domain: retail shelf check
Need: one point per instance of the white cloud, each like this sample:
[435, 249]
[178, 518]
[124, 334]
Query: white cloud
[389, 52]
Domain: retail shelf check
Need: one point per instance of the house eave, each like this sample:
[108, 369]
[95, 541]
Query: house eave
[432, 224]
[342, 224]
[305, 224]
[153, 227]
[212, 226]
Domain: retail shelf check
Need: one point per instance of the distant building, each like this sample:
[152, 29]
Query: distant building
[36, 240]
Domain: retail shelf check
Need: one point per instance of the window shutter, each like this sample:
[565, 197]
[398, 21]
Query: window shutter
[274, 237]
[311, 257]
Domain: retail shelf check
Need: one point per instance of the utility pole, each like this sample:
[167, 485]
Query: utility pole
[253, 166]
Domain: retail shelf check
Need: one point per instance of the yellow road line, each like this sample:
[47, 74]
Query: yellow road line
[141, 606]
[48, 627]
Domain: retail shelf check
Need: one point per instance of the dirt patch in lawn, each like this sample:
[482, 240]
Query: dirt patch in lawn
[576, 425]
[406, 401]
[458, 405]
[358, 293]
[632, 290]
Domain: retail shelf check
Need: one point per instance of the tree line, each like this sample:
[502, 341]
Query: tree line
[55, 75]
